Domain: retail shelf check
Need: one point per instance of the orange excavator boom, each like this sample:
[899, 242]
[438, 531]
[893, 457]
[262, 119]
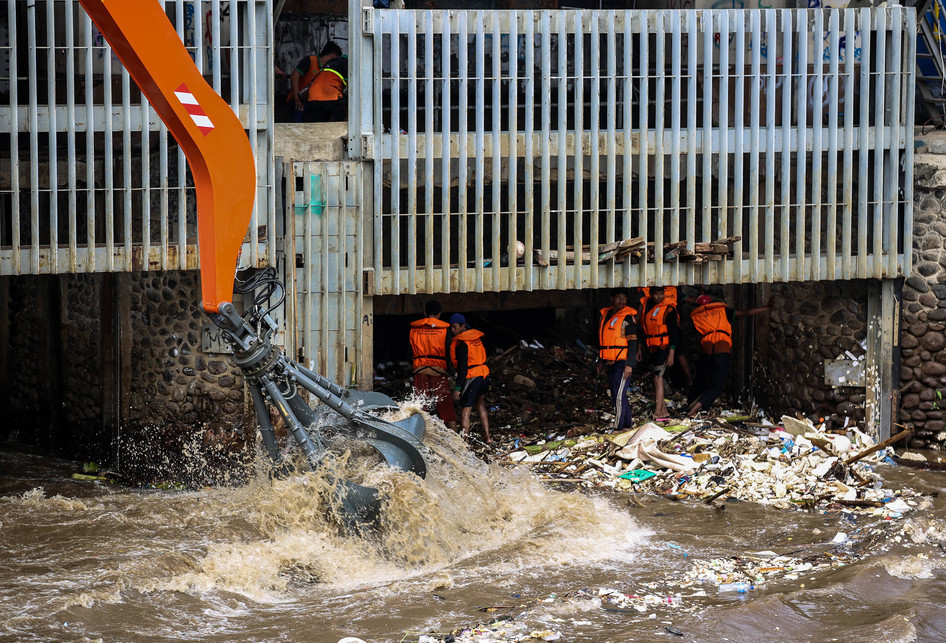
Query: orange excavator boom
[212, 137]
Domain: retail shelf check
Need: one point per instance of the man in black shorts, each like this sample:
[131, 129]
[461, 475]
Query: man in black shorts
[472, 374]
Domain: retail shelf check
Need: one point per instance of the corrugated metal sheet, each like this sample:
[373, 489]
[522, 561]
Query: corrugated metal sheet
[570, 130]
[92, 181]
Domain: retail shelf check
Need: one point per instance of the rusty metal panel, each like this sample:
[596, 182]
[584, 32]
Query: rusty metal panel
[570, 131]
[91, 182]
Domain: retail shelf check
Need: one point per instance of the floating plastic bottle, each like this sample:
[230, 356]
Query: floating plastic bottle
[739, 588]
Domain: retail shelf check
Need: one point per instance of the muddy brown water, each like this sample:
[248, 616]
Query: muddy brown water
[86, 562]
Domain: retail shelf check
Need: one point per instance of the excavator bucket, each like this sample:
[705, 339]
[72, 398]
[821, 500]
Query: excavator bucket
[222, 163]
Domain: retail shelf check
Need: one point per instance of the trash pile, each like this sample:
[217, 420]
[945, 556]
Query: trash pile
[791, 465]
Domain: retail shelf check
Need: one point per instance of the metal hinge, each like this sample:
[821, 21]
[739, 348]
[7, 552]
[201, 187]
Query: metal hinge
[367, 21]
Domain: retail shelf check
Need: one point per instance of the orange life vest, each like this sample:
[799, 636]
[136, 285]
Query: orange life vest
[429, 344]
[711, 322]
[306, 79]
[611, 340]
[670, 296]
[475, 356]
[656, 333]
[330, 83]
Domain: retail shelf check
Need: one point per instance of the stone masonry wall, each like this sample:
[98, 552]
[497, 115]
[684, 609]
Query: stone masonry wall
[808, 323]
[923, 322]
[182, 400]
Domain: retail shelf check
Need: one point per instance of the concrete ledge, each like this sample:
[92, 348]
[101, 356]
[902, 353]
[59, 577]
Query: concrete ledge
[929, 171]
[311, 141]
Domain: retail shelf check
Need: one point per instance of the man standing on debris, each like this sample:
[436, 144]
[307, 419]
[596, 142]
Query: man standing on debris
[661, 332]
[617, 341]
[430, 343]
[468, 357]
[712, 321]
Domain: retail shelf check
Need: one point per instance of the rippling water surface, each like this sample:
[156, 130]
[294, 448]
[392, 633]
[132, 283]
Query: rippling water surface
[262, 562]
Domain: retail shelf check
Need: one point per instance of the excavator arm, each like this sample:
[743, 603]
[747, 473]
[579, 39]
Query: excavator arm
[213, 140]
[222, 163]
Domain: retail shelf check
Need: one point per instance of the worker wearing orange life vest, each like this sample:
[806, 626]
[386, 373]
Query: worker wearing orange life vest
[617, 350]
[661, 331]
[430, 343]
[468, 357]
[318, 85]
[711, 320]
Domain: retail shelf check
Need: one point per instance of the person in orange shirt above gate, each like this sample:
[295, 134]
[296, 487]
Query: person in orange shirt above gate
[430, 345]
[468, 357]
[617, 350]
[318, 86]
[661, 331]
[712, 322]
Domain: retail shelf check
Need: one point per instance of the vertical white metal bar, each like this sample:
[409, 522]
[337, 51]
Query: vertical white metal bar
[660, 76]
[343, 299]
[479, 187]
[513, 155]
[546, 218]
[676, 55]
[34, 138]
[14, 135]
[411, 169]
[310, 307]
[53, 137]
[396, 138]
[594, 170]
[463, 156]
[908, 82]
[802, 183]
[708, 92]
[497, 155]
[71, 181]
[181, 187]
[754, 144]
[269, 101]
[693, 39]
[817, 143]
[145, 182]
[722, 185]
[785, 231]
[734, 271]
[429, 108]
[831, 237]
[863, 155]
[561, 274]
[234, 56]
[627, 178]
[216, 47]
[445, 105]
[126, 170]
[251, 97]
[579, 154]
[326, 293]
[643, 167]
[892, 161]
[377, 217]
[359, 259]
[847, 184]
[529, 134]
[612, 116]
[772, 52]
[91, 211]
[881, 135]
